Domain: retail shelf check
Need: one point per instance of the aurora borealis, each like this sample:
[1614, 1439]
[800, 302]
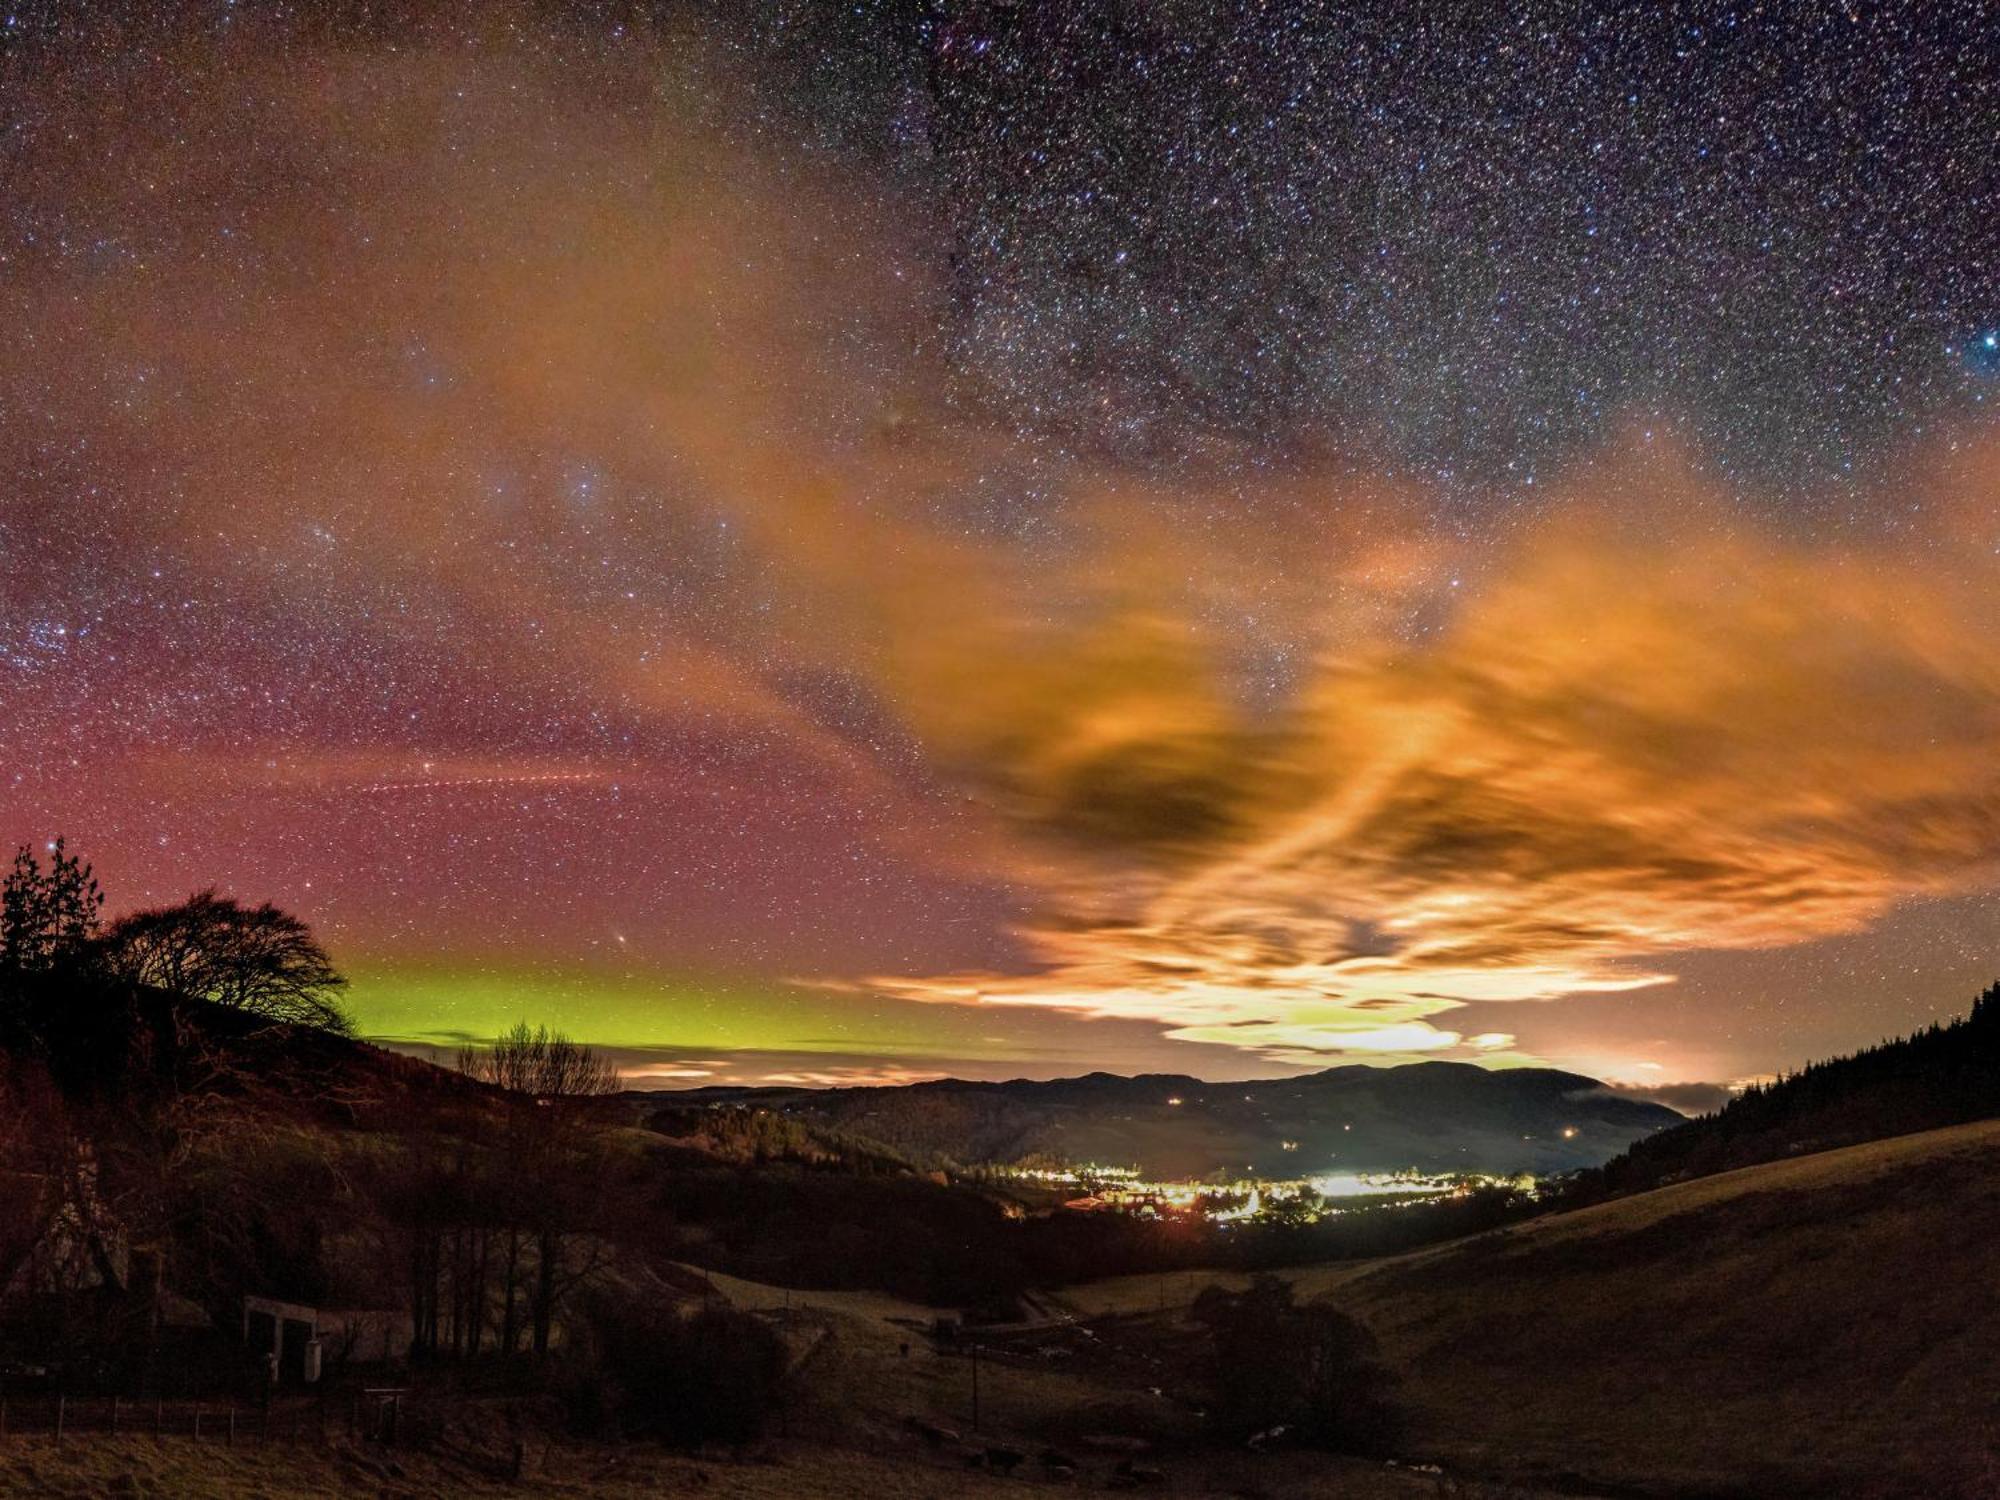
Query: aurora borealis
[1011, 540]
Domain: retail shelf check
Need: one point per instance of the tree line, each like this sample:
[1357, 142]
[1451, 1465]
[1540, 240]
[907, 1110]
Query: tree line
[1946, 1074]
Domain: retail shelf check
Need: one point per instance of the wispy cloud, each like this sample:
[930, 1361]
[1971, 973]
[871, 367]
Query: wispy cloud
[1288, 762]
[1652, 726]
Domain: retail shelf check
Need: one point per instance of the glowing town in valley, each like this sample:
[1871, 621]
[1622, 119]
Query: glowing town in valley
[1099, 1188]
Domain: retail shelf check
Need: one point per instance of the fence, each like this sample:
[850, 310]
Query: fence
[64, 1418]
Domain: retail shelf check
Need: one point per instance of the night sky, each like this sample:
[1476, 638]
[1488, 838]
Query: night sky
[844, 542]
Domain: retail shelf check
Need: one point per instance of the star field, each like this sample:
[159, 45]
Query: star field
[834, 541]
[1464, 242]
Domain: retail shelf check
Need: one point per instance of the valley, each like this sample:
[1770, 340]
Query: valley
[1613, 1351]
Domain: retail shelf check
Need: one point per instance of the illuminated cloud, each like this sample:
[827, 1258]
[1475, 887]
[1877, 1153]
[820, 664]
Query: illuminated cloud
[669, 1075]
[620, 451]
[1636, 737]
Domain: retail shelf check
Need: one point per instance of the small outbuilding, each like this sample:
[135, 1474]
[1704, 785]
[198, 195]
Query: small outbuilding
[298, 1340]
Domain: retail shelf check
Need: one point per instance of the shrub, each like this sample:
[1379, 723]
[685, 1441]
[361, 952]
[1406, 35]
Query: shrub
[709, 1377]
[1309, 1368]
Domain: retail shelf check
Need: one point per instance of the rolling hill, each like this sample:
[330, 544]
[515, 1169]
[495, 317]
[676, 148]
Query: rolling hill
[1821, 1326]
[1431, 1117]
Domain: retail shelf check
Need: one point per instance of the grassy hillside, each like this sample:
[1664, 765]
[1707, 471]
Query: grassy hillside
[876, 1413]
[1819, 1326]
[873, 1380]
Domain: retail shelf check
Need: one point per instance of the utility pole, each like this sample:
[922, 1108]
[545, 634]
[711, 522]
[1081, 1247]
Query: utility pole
[975, 1388]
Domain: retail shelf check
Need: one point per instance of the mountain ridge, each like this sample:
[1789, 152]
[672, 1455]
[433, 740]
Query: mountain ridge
[1432, 1116]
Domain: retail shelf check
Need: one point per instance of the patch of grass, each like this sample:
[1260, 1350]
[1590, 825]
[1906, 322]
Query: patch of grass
[1821, 1325]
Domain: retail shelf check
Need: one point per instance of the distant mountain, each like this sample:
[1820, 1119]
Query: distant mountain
[1431, 1117]
[1947, 1074]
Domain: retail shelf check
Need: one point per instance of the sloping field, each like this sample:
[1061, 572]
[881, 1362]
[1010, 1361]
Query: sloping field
[874, 1381]
[869, 1423]
[1819, 1327]
[178, 1469]
[1825, 1326]
[1828, 1325]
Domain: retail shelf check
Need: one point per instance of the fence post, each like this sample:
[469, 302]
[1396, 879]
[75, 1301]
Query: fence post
[197, 1421]
[232, 1423]
[62, 1407]
[159, 1414]
[114, 1416]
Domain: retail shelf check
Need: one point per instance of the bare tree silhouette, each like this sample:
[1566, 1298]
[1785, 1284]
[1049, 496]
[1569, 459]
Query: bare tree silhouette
[550, 1081]
[256, 959]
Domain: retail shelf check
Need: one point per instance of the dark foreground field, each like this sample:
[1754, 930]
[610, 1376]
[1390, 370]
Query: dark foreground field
[880, 1414]
[1821, 1326]
[1817, 1327]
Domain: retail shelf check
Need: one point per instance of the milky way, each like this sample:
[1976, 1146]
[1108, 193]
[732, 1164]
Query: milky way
[1464, 240]
[866, 541]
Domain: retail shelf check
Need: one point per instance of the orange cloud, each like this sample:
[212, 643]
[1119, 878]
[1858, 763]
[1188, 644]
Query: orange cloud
[1655, 727]
[1275, 763]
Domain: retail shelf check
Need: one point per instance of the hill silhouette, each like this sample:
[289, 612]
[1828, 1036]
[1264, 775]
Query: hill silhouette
[1431, 1117]
[1944, 1075]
